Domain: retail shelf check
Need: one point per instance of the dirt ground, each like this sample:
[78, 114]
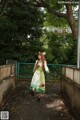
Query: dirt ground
[23, 106]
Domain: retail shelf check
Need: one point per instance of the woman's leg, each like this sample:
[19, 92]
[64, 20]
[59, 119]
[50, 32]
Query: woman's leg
[32, 91]
[33, 88]
[38, 97]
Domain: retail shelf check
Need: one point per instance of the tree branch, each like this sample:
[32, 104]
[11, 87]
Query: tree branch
[41, 3]
[68, 15]
[4, 5]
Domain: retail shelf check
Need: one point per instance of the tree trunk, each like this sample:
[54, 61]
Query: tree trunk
[71, 21]
[68, 16]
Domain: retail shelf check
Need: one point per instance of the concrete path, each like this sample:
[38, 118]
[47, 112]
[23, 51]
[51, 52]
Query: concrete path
[23, 106]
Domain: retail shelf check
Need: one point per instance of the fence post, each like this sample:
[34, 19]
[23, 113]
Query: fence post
[78, 48]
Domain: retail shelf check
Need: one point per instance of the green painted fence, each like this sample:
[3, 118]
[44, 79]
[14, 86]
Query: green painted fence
[25, 70]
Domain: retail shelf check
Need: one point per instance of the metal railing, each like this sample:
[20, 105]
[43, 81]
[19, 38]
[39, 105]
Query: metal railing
[25, 70]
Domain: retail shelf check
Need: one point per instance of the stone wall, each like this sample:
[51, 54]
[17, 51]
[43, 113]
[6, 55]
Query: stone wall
[71, 89]
[7, 82]
[6, 71]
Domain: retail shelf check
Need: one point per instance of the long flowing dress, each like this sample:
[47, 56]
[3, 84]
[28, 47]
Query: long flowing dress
[38, 79]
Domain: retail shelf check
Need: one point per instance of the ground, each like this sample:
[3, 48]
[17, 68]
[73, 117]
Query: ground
[23, 106]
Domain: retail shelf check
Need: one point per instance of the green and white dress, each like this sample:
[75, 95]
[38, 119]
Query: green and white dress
[38, 79]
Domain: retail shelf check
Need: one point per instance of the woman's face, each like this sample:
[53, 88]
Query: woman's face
[39, 57]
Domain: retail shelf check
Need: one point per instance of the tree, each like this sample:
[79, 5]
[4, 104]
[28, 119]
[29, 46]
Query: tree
[3, 5]
[19, 30]
[54, 8]
[60, 48]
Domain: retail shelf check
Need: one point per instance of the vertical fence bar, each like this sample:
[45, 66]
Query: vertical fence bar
[18, 70]
[78, 48]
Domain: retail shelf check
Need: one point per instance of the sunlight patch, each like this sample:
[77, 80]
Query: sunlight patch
[57, 104]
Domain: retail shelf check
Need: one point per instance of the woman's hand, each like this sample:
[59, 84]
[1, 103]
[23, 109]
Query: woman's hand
[47, 71]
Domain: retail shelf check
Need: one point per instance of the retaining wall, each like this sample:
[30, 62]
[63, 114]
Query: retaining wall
[71, 89]
[7, 82]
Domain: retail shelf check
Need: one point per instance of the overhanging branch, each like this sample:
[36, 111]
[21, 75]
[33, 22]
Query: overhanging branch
[42, 3]
[3, 6]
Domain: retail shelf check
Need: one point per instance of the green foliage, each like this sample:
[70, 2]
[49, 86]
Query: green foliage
[52, 20]
[61, 49]
[22, 36]
[20, 29]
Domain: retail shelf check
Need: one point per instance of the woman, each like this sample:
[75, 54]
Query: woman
[38, 79]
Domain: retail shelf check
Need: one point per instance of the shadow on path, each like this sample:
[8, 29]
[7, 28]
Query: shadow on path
[23, 106]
